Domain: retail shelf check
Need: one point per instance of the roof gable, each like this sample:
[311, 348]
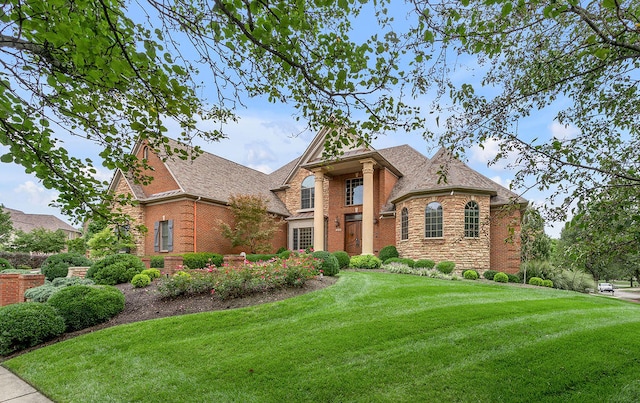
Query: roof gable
[28, 222]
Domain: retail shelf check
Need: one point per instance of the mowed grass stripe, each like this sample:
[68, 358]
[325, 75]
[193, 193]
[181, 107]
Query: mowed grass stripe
[370, 337]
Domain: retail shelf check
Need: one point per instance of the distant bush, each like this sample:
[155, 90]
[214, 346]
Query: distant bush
[115, 269]
[488, 274]
[329, 265]
[536, 281]
[470, 274]
[140, 280]
[28, 324]
[537, 268]
[424, 263]
[19, 258]
[403, 260]
[343, 259]
[257, 257]
[15, 271]
[365, 262]
[547, 283]
[573, 281]
[152, 273]
[514, 279]
[446, 266]
[58, 265]
[5, 265]
[200, 260]
[388, 252]
[83, 306]
[501, 277]
[157, 262]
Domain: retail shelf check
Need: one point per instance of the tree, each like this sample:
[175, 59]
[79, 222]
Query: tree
[536, 245]
[6, 227]
[39, 240]
[108, 242]
[253, 225]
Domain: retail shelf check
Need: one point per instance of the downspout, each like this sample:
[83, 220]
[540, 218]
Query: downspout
[195, 224]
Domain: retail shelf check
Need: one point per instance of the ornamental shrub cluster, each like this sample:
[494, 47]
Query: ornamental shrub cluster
[200, 260]
[365, 262]
[501, 277]
[343, 259]
[388, 252]
[328, 263]
[58, 265]
[400, 268]
[536, 281]
[470, 275]
[16, 259]
[424, 263]
[115, 269]
[152, 273]
[406, 261]
[234, 282]
[45, 291]
[446, 266]
[83, 306]
[488, 274]
[140, 280]
[28, 324]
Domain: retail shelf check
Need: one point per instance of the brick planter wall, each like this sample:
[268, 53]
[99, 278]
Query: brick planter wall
[13, 286]
[172, 264]
[233, 260]
[79, 271]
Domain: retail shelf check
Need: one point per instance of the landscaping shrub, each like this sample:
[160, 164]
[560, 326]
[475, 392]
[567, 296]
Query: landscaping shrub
[200, 260]
[547, 283]
[15, 271]
[83, 306]
[19, 258]
[28, 324]
[343, 259]
[5, 265]
[58, 265]
[157, 262]
[388, 252]
[514, 279]
[536, 281]
[537, 268]
[281, 250]
[488, 274]
[257, 257]
[329, 265]
[501, 277]
[405, 261]
[140, 280]
[152, 273]
[45, 291]
[470, 274]
[285, 254]
[365, 262]
[446, 266]
[115, 269]
[424, 264]
[573, 281]
[24, 267]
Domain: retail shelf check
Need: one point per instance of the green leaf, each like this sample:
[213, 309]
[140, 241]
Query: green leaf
[7, 158]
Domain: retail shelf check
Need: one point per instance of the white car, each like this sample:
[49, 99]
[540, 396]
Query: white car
[605, 287]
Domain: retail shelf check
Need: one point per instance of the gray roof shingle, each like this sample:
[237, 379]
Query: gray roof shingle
[28, 222]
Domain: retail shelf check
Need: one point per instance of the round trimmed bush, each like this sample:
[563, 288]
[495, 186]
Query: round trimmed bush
[152, 273]
[470, 274]
[501, 277]
[388, 252]
[330, 265]
[200, 260]
[157, 262]
[5, 265]
[58, 265]
[488, 274]
[140, 280]
[83, 306]
[536, 281]
[446, 266]
[424, 264]
[547, 283]
[514, 278]
[27, 324]
[285, 254]
[115, 269]
[343, 259]
[365, 262]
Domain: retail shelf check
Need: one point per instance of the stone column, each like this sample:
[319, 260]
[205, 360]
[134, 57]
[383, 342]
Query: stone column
[367, 206]
[318, 210]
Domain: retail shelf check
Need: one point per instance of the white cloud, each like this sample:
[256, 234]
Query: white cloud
[34, 194]
[488, 151]
[502, 182]
[563, 132]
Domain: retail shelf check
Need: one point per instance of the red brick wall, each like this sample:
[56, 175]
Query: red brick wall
[13, 286]
[162, 180]
[505, 239]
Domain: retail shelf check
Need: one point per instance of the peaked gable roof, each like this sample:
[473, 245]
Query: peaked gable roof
[28, 222]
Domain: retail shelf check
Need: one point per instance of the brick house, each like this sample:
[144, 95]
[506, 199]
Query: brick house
[363, 201]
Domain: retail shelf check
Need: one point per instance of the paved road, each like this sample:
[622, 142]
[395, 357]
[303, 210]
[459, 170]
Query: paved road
[631, 294]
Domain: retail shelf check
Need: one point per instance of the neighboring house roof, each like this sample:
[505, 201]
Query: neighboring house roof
[28, 222]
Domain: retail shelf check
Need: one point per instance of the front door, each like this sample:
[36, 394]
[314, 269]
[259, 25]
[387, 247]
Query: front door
[353, 235]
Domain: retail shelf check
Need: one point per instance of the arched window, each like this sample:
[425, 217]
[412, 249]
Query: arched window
[404, 224]
[307, 192]
[433, 220]
[471, 220]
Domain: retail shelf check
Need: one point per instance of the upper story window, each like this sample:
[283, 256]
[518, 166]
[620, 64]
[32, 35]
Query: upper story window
[145, 152]
[354, 191]
[471, 220]
[307, 192]
[404, 224]
[433, 220]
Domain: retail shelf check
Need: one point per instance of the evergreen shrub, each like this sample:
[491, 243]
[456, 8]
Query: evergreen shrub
[58, 265]
[343, 259]
[329, 265]
[388, 252]
[501, 277]
[140, 280]
[446, 266]
[200, 260]
[28, 324]
[152, 273]
[83, 306]
[489, 274]
[5, 265]
[402, 260]
[365, 262]
[424, 264]
[157, 262]
[536, 281]
[547, 283]
[115, 269]
[470, 275]
[514, 278]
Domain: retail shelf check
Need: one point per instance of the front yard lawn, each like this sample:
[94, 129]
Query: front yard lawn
[370, 337]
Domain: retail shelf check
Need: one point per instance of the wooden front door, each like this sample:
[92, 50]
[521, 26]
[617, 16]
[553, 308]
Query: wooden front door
[353, 237]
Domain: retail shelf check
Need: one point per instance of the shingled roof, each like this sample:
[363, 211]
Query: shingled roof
[28, 222]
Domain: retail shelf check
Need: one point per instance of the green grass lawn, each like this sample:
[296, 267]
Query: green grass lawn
[371, 337]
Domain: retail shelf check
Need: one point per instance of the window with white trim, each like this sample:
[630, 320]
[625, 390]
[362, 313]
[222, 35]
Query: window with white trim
[433, 220]
[354, 191]
[471, 220]
[307, 192]
[302, 238]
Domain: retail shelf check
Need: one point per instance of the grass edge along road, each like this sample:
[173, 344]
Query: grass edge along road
[370, 337]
